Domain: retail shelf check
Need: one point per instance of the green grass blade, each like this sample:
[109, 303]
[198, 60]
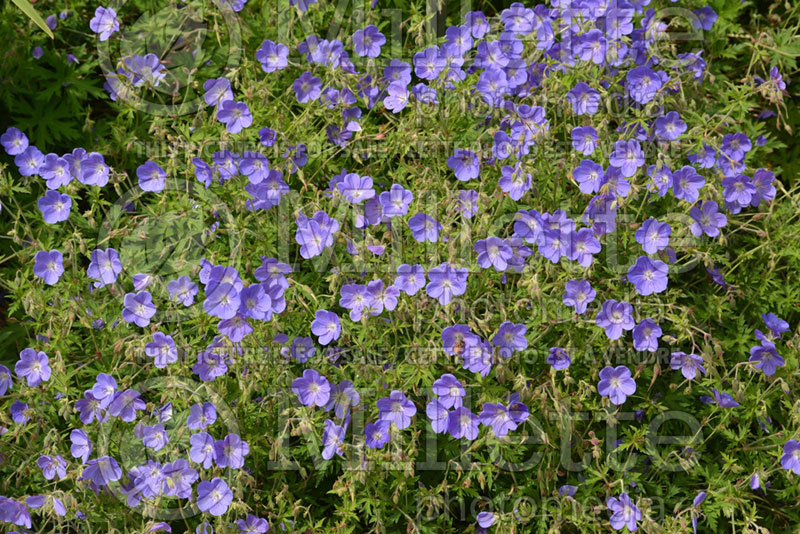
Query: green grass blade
[29, 10]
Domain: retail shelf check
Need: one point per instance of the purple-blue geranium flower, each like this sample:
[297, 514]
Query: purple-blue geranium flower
[182, 290]
[791, 456]
[332, 439]
[14, 141]
[688, 364]
[139, 308]
[446, 281]
[627, 156]
[52, 467]
[449, 390]
[151, 177]
[55, 207]
[584, 139]
[670, 126]
[273, 56]
[201, 415]
[34, 366]
[91, 408]
[81, 446]
[410, 278]
[368, 42]
[102, 470]
[217, 91]
[252, 525]
[707, 219]
[462, 423]
[48, 266]
[465, 164]
[235, 115]
[397, 409]
[104, 266]
[624, 512]
[230, 452]
[307, 87]
[312, 389]
[214, 497]
[766, 357]
[616, 383]
[515, 181]
[343, 395]
[396, 201]
[653, 235]
[645, 335]
[589, 175]
[578, 295]
[643, 84]
[493, 252]
[424, 228]
[326, 327]
[104, 22]
[315, 234]
[29, 161]
[396, 98]
[558, 358]
[775, 324]
[648, 276]
[500, 418]
[125, 405]
[355, 188]
[686, 184]
[510, 337]
[615, 317]
[162, 349]
[584, 99]
[377, 434]
[202, 449]
[155, 437]
[55, 170]
[6, 382]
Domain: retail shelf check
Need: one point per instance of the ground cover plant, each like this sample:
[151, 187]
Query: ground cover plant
[399, 266]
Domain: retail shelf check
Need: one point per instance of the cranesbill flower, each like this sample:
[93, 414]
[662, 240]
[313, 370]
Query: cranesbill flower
[643, 84]
[498, 417]
[579, 294]
[510, 337]
[55, 170]
[382, 297]
[377, 434]
[52, 466]
[653, 235]
[34, 366]
[670, 126]
[355, 188]
[397, 72]
[493, 252]
[686, 184]
[14, 141]
[791, 456]
[81, 446]
[357, 299]
[591, 46]
[410, 278]
[273, 56]
[307, 87]
[396, 201]
[94, 170]
[178, 478]
[19, 412]
[396, 98]
[202, 449]
[162, 350]
[155, 437]
[558, 358]
[465, 164]
[766, 357]
[648, 276]
[616, 384]
[332, 439]
[582, 246]
[201, 415]
[222, 301]
[627, 156]
[252, 525]
[661, 179]
[689, 364]
[104, 389]
[49, 266]
[775, 324]
[102, 470]
[462, 423]
[182, 290]
[584, 139]
[424, 228]
[739, 190]
[29, 161]
[428, 63]
[104, 22]
[55, 207]
[584, 99]
[312, 389]
[625, 513]
[438, 414]
[230, 452]
[615, 317]
[397, 409]
[151, 177]
[343, 395]
[104, 266]
[645, 335]
[214, 497]
[255, 166]
[725, 400]
[126, 404]
[91, 408]
[589, 175]
[449, 390]
[6, 381]
[235, 115]
[736, 145]
[316, 233]
[326, 327]
[515, 181]
[217, 91]
[139, 308]
[707, 220]
[368, 42]
[478, 357]
[446, 282]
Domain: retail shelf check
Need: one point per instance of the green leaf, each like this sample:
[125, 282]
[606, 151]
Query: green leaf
[32, 14]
